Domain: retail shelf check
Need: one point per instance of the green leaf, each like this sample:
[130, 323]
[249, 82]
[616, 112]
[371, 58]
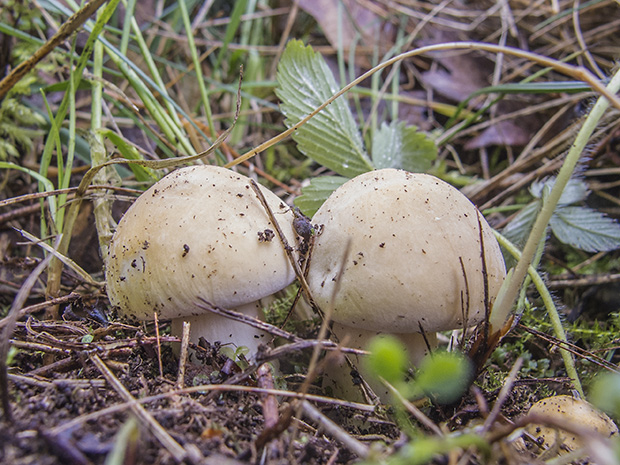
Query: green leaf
[388, 358]
[313, 195]
[605, 393]
[11, 355]
[332, 137]
[399, 146]
[125, 443]
[519, 227]
[444, 376]
[129, 152]
[585, 229]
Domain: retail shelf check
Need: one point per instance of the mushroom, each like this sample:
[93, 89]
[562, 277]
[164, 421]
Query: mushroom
[415, 262]
[200, 234]
[576, 415]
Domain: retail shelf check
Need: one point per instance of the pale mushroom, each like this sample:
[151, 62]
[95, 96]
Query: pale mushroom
[415, 263]
[200, 234]
[575, 415]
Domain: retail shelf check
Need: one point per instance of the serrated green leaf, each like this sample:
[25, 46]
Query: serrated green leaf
[399, 146]
[519, 227]
[585, 229]
[576, 190]
[313, 195]
[332, 137]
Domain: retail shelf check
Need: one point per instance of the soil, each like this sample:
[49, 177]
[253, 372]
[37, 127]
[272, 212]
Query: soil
[72, 384]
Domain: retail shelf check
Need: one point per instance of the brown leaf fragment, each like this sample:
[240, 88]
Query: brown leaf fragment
[357, 20]
[506, 133]
[459, 75]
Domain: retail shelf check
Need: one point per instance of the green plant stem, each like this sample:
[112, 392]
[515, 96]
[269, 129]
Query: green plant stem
[152, 67]
[528, 280]
[130, 7]
[64, 173]
[197, 66]
[169, 121]
[552, 311]
[502, 307]
[55, 268]
[102, 207]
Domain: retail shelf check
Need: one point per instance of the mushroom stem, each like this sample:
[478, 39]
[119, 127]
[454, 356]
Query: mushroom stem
[341, 381]
[227, 331]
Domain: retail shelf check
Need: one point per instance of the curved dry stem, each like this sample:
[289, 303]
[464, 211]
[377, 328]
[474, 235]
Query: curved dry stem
[576, 72]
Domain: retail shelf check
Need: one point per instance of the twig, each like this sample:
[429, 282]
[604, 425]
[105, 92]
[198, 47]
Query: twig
[212, 388]
[256, 323]
[5, 337]
[313, 365]
[415, 411]
[43, 305]
[270, 403]
[274, 424]
[156, 320]
[173, 447]
[331, 428]
[45, 348]
[573, 349]
[63, 258]
[589, 280]
[287, 247]
[324, 344]
[503, 395]
[43, 383]
[182, 355]
[56, 367]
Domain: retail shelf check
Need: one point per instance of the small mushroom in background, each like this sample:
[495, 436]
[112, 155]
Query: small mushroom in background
[200, 233]
[415, 262]
[568, 411]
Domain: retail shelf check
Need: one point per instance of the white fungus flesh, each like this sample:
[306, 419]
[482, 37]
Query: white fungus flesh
[414, 265]
[200, 233]
[415, 260]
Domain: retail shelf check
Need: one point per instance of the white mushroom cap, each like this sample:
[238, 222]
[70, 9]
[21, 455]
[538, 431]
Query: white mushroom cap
[409, 234]
[567, 410]
[195, 234]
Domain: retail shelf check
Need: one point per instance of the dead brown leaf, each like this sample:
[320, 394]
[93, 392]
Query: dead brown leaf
[356, 21]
